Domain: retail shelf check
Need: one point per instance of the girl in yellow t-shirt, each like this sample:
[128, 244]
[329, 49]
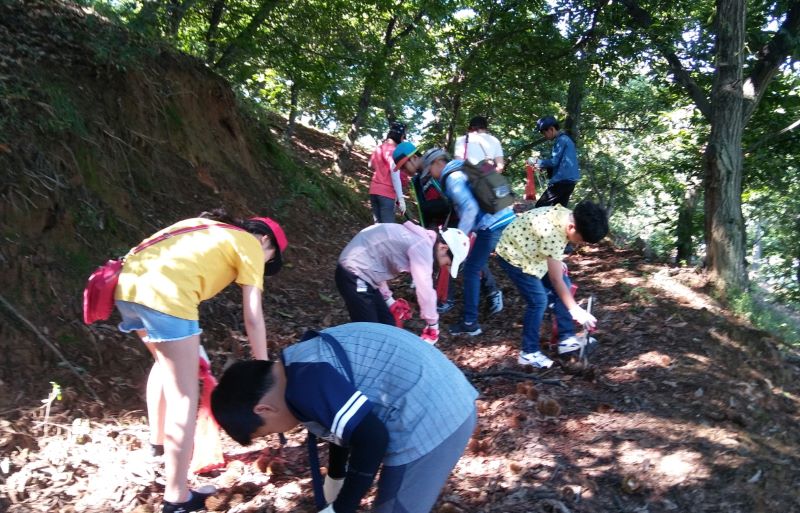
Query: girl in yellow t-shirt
[158, 294]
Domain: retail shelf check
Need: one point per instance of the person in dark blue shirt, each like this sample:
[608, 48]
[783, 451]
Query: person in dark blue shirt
[562, 166]
[378, 394]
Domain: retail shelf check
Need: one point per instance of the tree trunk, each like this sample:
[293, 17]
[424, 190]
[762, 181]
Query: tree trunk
[724, 223]
[295, 92]
[797, 248]
[376, 73]
[450, 137]
[757, 247]
[176, 11]
[684, 230]
[213, 25]
[343, 162]
[575, 95]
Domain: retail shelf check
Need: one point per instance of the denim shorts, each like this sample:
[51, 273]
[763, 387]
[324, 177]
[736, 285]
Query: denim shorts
[160, 327]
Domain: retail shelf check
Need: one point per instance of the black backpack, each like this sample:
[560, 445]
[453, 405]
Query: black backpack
[490, 188]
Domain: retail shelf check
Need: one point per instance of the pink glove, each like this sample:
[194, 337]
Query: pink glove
[401, 311]
[430, 334]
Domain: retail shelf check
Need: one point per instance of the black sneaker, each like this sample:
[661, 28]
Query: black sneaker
[445, 307]
[156, 450]
[197, 501]
[495, 302]
[462, 328]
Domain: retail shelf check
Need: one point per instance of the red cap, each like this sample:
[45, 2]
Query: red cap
[279, 238]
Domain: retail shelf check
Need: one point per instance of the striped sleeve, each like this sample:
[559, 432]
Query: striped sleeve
[317, 393]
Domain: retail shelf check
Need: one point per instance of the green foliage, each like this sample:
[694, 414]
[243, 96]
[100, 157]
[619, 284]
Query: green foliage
[769, 316]
[325, 193]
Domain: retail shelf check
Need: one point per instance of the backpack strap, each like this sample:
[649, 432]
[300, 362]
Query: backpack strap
[181, 231]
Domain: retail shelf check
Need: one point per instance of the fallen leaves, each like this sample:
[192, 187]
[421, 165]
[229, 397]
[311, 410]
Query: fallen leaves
[548, 407]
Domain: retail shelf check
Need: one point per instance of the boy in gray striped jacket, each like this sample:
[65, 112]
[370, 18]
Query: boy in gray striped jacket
[378, 394]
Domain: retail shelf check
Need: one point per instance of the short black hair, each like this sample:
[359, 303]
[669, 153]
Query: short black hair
[479, 123]
[591, 221]
[232, 402]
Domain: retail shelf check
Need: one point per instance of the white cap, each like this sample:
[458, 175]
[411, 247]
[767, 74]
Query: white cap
[458, 243]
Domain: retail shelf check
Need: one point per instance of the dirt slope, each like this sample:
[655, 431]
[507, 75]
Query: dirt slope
[683, 408]
[104, 140]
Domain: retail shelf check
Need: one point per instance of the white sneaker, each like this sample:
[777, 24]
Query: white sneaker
[574, 343]
[537, 360]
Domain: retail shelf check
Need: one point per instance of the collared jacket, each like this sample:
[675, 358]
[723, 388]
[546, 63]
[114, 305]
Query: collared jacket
[563, 161]
[458, 192]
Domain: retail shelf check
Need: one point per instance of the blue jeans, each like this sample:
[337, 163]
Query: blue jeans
[535, 292]
[382, 208]
[485, 242]
[488, 284]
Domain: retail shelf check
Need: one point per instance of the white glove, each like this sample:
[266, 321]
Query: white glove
[328, 509]
[331, 488]
[583, 317]
[389, 301]
[532, 161]
[401, 205]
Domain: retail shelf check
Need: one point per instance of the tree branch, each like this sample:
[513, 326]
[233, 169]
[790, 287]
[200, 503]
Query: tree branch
[643, 19]
[770, 57]
[392, 40]
[770, 137]
[235, 46]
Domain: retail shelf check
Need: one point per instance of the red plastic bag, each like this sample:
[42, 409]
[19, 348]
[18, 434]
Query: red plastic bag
[530, 184]
[443, 283]
[98, 296]
[207, 453]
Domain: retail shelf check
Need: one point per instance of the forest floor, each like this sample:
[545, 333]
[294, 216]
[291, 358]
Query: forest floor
[681, 408]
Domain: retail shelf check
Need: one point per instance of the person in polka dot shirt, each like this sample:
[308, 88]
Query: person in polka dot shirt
[530, 252]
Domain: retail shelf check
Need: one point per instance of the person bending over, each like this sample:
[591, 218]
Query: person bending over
[158, 294]
[530, 252]
[379, 395]
[380, 253]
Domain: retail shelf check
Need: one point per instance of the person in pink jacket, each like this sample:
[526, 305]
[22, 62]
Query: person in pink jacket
[379, 253]
[386, 187]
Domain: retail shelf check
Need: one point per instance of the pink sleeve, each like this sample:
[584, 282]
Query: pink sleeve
[420, 258]
[386, 292]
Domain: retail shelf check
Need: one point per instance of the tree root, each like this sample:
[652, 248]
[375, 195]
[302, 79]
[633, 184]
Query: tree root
[21, 318]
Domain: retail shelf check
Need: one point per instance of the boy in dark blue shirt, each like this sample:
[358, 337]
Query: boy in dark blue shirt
[378, 394]
[562, 166]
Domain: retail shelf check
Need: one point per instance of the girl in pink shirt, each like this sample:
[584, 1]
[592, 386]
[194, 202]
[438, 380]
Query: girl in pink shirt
[379, 253]
[386, 187]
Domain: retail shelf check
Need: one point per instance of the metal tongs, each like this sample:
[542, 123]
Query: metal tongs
[583, 354]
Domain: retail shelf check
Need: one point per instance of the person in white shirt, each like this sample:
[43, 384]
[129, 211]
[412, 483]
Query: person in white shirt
[479, 145]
